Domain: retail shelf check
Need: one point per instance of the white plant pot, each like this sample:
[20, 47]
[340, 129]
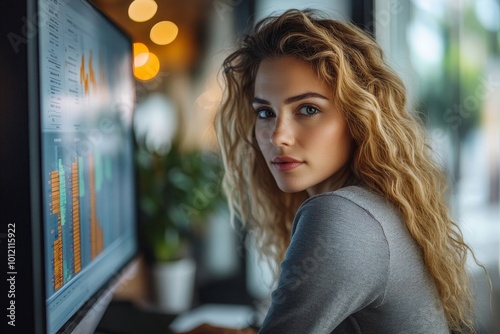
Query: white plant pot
[174, 284]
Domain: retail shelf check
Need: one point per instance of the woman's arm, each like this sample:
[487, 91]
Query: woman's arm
[337, 264]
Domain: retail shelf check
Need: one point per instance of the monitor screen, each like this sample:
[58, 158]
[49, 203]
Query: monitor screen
[86, 97]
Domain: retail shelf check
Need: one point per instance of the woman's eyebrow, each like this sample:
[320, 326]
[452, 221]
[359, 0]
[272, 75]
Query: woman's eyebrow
[292, 99]
[257, 100]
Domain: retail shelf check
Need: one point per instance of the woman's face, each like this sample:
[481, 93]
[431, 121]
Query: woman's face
[301, 133]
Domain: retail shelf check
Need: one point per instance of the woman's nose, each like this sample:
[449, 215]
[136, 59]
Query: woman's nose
[282, 134]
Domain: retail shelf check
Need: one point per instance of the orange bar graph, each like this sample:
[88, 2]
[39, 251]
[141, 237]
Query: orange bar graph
[56, 209]
[77, 256]
[87, 79]
[96, 236]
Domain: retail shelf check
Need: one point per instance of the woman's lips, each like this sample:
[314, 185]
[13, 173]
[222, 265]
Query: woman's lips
[285, 163]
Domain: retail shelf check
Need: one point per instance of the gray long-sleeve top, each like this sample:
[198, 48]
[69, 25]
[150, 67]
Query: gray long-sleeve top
[352, 267]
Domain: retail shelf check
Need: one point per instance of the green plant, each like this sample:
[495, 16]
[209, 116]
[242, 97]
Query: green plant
[177, 191]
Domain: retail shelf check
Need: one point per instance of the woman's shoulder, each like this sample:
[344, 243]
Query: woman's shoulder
[357, 195]
[352, 204]
[345, 206]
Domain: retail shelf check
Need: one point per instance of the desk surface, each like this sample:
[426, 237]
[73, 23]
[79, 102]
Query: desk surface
[125, 318]
[221, 315]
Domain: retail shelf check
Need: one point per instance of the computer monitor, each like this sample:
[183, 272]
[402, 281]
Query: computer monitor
[68, 195]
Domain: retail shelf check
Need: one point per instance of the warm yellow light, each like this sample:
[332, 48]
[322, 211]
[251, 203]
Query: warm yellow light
[164, 32]
[149, 70]
[142, 10]
[141, 54]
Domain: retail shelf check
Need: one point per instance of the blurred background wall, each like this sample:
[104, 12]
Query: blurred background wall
[446, 51]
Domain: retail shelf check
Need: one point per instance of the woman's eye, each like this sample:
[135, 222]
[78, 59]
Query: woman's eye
[265, 113]
[308, 110]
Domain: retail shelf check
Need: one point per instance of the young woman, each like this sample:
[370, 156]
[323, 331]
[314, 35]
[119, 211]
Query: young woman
[335, 178]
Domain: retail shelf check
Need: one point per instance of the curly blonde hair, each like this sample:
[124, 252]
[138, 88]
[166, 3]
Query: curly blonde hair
[392, 156]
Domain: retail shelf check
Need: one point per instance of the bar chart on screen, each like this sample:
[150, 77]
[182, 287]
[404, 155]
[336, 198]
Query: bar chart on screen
[79, 203]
